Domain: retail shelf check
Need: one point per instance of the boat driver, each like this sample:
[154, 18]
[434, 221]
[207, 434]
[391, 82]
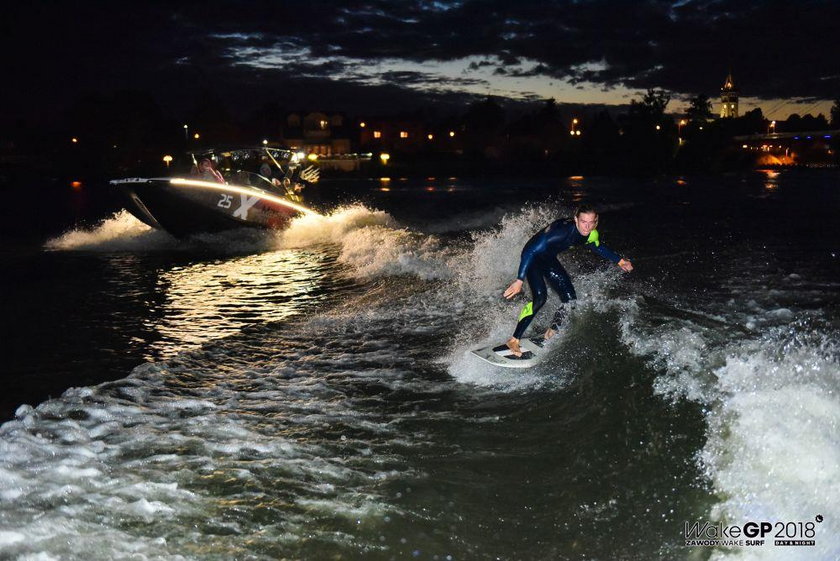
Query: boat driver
[208, 172]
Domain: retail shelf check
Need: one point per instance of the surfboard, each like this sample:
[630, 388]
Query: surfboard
[532, 351]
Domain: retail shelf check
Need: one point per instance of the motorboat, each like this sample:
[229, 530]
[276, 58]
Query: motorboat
[223, 190]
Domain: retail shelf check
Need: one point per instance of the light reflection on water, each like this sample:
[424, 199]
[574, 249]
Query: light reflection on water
[199, 302]
[771, 179]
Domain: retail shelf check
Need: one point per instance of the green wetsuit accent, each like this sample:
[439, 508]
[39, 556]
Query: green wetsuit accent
[594, 238]
[528, 310]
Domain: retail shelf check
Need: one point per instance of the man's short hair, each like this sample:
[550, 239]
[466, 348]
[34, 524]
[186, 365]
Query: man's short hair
[585, 208]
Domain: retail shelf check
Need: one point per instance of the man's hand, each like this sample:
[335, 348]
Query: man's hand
[625, 265]
[514, 289]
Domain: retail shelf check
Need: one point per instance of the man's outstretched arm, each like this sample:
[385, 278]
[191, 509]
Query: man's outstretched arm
[610, 255]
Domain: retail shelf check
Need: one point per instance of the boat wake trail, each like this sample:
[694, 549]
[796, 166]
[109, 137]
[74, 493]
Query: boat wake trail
[120, 232]
[350, 420]
[764, 374]
[123, 232]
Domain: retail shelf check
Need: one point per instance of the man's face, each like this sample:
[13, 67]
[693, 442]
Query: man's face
[586, 222]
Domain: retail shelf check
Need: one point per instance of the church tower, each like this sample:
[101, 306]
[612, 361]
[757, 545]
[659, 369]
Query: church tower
[728, 99]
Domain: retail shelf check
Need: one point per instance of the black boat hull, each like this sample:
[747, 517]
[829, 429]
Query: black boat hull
[184, 207]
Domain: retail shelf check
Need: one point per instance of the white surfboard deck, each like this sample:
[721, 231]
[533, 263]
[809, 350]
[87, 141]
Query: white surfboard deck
[499, 355]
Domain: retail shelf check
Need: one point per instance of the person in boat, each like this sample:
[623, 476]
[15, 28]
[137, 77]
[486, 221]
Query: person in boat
[539, 264]
[266, 169]
[206, 171]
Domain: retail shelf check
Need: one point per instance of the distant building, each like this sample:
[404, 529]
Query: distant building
[728, 99]
[317, 133]
[394, 134]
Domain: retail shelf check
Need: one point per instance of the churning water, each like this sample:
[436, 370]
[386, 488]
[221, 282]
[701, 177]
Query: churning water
[308, 394]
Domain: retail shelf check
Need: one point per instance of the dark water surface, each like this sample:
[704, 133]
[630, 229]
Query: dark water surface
[309, 394]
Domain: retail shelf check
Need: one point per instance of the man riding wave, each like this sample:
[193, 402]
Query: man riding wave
[539, 264]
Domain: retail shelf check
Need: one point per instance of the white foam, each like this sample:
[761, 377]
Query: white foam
[148, 510]
[371, 243]
[42, 556]
[311, 230]
[773, 451]
[772, 404]
[79, 487]
[120, 232]
[379, 251]
[10, 538]
[493, 261]
[681, 352]
[124, 232]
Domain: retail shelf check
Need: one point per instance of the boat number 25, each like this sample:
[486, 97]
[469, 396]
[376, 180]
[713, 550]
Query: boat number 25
[225, 200]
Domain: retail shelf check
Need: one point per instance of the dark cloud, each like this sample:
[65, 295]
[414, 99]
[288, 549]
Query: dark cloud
[56, 51]
[481, 64]
[404, 78]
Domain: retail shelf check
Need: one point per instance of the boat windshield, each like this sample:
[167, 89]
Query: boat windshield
[249, 179]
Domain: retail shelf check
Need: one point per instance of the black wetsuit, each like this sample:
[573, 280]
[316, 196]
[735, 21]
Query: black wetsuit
[539, 264]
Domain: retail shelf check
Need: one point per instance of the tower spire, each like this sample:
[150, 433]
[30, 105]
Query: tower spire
[728, 98]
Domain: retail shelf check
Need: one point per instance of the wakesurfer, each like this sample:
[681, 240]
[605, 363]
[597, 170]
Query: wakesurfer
[539, 264]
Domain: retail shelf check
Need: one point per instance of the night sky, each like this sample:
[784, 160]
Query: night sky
[387, 56]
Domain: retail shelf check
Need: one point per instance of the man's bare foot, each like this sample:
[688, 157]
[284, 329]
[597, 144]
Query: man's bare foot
[549, 333]
[513, 345]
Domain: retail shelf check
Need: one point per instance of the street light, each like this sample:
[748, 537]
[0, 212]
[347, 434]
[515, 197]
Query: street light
[680, 125]
[186, 132]
[572, 131]
[772, 126]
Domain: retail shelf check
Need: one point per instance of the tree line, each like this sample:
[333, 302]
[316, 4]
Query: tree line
[129, 129]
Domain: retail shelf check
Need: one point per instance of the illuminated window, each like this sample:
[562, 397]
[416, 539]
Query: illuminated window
[403, 134]
[377, 134]
[323, 124]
